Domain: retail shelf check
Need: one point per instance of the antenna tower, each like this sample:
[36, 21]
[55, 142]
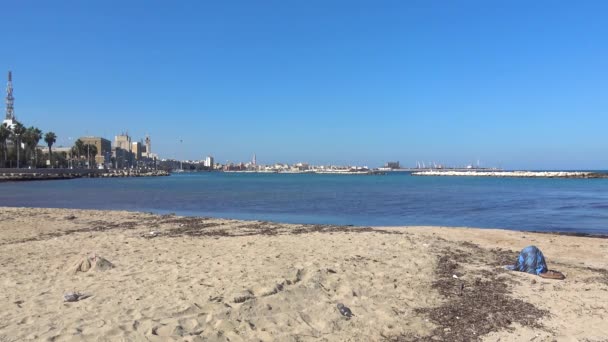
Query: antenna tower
[10, 100]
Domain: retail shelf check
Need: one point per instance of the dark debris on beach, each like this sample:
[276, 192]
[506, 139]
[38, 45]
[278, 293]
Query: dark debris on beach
[602, 274]
[199, 228]
[93, 226]
[203, 227]
[475, 307]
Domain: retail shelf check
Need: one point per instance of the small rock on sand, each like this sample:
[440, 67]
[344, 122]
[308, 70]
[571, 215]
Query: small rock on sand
[345, 311]
[74, 296]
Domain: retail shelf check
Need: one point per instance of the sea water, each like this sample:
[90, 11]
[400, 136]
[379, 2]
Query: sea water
[395, 199]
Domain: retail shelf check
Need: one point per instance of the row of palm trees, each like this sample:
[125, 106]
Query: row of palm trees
[29, 137]
[82, 150]
[18, 134]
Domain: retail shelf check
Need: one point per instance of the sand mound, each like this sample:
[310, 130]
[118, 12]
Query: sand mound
[92, 262]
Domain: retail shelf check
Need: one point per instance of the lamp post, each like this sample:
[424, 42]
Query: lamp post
[18, 148]
[181, 165]
[70, 160]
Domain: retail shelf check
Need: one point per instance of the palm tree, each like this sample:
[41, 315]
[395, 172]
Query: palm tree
[78, 150]
[50, 139]
[61, 159]
[17, 132]
[94, 154]
[31, 138]
[91, 152]
[79, 147]
[5, 133]
[36, 135]
[74, 152]
[26, 138]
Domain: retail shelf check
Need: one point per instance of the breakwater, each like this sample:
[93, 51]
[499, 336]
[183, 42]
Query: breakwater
[10, 175]
[517, 174]
[311, 172]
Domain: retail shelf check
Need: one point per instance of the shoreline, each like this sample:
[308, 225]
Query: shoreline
[200, 278]
[586, 234]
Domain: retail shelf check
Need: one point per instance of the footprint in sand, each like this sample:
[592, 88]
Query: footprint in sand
[168, 330]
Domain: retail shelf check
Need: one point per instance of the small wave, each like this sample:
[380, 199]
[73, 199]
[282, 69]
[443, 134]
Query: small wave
[568, 207]
[599, 206]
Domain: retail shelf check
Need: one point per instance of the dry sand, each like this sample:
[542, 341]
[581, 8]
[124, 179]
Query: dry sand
[199, 279]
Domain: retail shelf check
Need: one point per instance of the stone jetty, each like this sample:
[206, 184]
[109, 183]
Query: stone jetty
[9, 175]
[519, 174]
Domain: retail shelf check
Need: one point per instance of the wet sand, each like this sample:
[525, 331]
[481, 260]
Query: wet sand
[202, 279]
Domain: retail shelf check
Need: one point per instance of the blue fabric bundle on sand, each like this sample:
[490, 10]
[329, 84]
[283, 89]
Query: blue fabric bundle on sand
[531, 260]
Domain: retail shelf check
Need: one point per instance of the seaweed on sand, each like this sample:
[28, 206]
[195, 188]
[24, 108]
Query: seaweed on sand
[473, 308]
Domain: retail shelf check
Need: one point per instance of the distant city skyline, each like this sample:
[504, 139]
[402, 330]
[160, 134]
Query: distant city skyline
[515, 85]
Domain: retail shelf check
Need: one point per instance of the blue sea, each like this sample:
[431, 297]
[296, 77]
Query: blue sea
[395, 199]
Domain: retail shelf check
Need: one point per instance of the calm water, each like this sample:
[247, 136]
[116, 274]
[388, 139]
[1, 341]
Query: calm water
[576, 205]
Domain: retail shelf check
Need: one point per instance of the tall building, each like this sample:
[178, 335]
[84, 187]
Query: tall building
[122, 151]
[148, 146]
[123, 141]
[121, 157]
[208, 162]
[9, 119]
[253, 161]
[104, 149]
[136, 148]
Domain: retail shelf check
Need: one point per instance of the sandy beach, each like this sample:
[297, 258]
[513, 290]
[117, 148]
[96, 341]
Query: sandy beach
[202, 279]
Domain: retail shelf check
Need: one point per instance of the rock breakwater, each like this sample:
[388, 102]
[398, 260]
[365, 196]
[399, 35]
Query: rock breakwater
[520, 174]
[54, 174]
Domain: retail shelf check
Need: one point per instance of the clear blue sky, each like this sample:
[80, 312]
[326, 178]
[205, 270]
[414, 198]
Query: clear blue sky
[520, 84]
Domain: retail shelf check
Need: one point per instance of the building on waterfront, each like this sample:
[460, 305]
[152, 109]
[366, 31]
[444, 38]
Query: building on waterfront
[59, 149]
[104, 149]
[136, 148]
[208, 162]
[148, 147]
[10, 119]
[121, 158]
[122, 151]
[392, 165]
[302, 166]
[56, 149]
[123, 141]
[128, 153]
